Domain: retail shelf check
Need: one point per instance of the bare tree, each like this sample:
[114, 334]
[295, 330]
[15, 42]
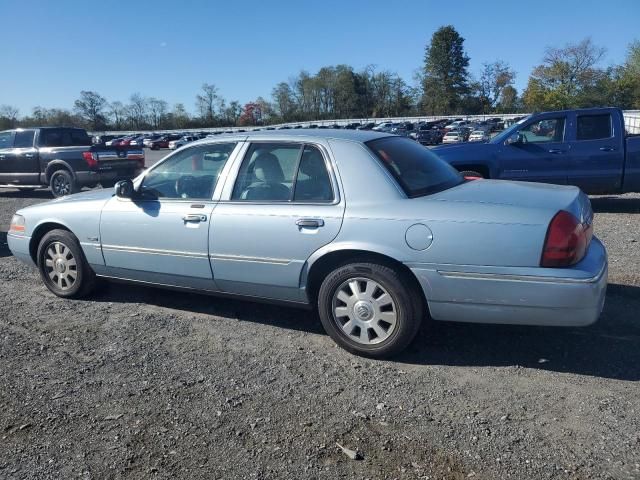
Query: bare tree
[137, 109]
[207, 101]
[117, 112]
[9, 114]
[157, 111]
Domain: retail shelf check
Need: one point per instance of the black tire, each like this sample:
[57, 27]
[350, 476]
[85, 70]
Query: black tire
[62, 183]
[62, 246]
[407, 306]
[471, 173]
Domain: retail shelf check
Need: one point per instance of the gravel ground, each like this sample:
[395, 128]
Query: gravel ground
[143, 383]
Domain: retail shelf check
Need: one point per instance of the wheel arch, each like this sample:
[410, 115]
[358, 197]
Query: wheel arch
[56, 165]
[321, 263]
[39, 232]
[483, 169]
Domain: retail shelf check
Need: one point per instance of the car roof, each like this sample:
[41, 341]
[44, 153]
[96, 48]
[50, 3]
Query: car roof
[360, 136]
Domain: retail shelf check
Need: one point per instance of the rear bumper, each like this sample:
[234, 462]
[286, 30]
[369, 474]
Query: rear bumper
[524, 296]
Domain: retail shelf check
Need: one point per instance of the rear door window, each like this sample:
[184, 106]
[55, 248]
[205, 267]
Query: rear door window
[24, 139]
[268, 172]
[64, 137]
[594, 127]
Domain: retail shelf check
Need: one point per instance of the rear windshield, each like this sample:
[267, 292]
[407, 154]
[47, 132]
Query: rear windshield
[417, 169]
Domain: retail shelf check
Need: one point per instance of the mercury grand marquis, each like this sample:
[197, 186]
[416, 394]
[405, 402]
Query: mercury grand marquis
[372, 229]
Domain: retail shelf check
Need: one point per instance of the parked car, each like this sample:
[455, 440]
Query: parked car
[182, 141]
[453, 136]
[102, 139]
[63, 159]
[587, 148]
[163, 142]
[479, 136]
[149, 139]
[366, 126]
[374, 230]
[427, 135]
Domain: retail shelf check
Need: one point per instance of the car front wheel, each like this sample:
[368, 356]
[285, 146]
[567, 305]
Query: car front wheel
[63, 266]
[370, 309]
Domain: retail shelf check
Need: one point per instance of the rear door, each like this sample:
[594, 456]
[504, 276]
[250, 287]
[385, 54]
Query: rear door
[19, 162]
[542, 153]
[597, 158]
[283, 206]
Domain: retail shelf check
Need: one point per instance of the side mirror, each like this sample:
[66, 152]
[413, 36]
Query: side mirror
[513, 139]
[124, 189]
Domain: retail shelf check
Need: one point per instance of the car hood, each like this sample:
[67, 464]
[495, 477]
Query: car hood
[91, 201]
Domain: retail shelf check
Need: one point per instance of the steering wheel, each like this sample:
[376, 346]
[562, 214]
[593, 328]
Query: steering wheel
[185, 185]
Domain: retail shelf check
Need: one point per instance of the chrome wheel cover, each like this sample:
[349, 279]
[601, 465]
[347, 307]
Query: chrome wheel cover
[364, 311]
[60, 265]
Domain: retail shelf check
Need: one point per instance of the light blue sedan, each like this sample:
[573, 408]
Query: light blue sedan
[372, 229]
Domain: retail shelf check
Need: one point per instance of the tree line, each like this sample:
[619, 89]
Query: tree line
[567, 77]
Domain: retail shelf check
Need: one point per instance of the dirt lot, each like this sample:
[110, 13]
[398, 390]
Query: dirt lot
[142, 383]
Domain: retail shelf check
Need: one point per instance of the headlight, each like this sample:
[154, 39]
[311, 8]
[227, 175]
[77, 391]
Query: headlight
[17, 224]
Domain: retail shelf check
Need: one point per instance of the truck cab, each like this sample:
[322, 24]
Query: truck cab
[587, 148]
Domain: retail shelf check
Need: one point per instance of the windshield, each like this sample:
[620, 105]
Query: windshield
[417, 169]
[501, 137]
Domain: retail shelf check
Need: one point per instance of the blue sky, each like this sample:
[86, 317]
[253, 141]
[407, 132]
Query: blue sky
[50, 50]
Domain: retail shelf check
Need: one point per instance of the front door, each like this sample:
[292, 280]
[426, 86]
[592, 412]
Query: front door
[161, 235]
[283, 206]
[541, 153]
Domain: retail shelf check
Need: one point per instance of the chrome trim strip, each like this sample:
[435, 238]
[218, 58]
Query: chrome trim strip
[506, 277]
[241, 258]
[153, 251]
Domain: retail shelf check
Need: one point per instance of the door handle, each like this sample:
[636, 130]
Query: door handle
[607, 149]
[310, 222]
[195, 218]
[2, 157]
[29, 155]
[555, 151]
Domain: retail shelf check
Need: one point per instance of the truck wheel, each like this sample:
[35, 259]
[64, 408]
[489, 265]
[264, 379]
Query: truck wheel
[471, 173]
[370, 309]
[62, 183]
[63, 266]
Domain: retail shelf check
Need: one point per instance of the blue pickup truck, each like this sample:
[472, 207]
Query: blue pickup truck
[587, 148]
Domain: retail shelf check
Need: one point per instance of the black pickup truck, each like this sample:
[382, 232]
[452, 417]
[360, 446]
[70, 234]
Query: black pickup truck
[64, 159]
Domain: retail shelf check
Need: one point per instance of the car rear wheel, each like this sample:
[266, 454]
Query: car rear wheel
[63, 266]
[62, 183]
[370, 309]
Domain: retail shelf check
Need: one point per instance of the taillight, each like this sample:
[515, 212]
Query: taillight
[90, 158]
[566, 242]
